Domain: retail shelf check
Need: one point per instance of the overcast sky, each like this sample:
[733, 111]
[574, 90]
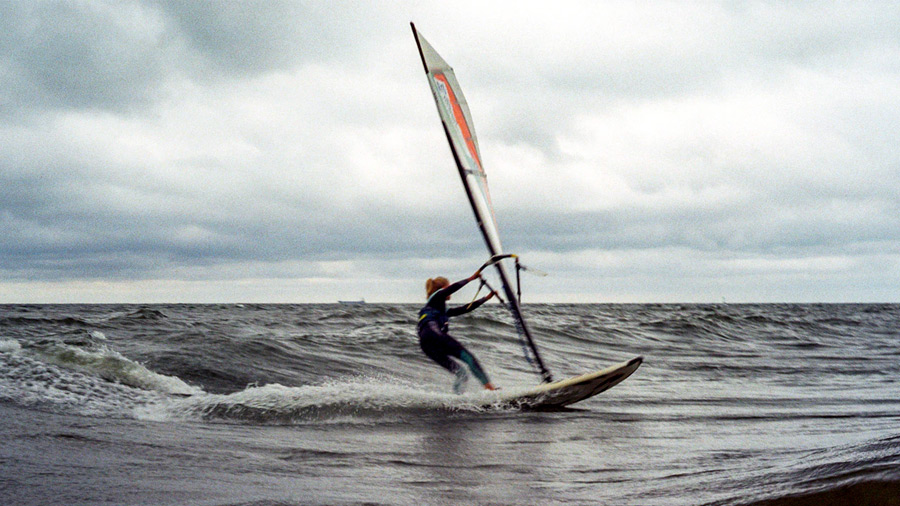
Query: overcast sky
[291, 151]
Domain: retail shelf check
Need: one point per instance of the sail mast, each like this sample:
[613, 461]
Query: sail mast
[460, 132]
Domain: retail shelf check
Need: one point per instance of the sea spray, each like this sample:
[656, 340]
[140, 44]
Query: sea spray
[358, 397]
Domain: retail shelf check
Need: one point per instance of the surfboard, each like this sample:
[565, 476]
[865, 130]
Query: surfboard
[569, 391]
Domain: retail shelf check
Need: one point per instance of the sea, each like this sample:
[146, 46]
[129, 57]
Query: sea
[329, 404]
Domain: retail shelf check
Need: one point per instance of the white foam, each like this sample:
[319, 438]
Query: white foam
[359, 396]
[9, 346]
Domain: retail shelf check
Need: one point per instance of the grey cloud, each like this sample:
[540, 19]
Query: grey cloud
[68, 55]
[241, 38]
[118, 56]
[70, 225]
[704, 50]
[90, 208]
[811, 225]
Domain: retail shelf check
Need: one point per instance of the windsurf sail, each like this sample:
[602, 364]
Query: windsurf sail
[460, 131]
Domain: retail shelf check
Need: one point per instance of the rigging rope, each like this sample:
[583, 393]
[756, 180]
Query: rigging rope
[520, 332]
[483, 282]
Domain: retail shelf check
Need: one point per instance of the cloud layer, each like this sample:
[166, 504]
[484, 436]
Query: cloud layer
[290, 151]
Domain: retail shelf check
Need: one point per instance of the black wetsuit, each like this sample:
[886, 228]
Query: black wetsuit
[433, 337]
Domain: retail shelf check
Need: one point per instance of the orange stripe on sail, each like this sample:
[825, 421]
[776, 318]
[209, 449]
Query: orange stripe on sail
[461, 120]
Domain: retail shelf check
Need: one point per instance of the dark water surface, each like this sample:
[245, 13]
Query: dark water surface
[329, 404]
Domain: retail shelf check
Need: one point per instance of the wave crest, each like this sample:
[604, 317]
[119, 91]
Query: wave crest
[112, 366]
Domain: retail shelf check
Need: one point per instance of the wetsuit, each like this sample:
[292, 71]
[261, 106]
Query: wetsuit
[440, 346]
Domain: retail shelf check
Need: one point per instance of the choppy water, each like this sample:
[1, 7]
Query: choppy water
[329, 404]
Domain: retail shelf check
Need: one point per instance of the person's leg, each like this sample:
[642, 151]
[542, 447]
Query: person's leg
[474, 366]
[440, 346]
[432, 341]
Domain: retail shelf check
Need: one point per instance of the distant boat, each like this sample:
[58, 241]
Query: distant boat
[352, 302]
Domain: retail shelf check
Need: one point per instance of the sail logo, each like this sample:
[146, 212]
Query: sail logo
[443, 94]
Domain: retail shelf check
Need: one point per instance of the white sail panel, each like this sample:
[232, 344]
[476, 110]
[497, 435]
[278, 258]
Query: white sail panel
[454, 113]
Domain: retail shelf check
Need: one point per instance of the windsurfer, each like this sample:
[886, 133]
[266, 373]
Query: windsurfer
[437, 343]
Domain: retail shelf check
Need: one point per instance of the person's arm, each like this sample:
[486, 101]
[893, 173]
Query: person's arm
[456, 311]
[445, 292]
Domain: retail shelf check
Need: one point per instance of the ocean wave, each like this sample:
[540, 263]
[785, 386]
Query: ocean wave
[862, 493]
[747, 404]
[143, 313]
[857, 473]
[25, 321]
[110, 365]
[28, 381]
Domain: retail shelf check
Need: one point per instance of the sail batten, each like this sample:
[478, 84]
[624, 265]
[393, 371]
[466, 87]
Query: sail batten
[457, 122]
